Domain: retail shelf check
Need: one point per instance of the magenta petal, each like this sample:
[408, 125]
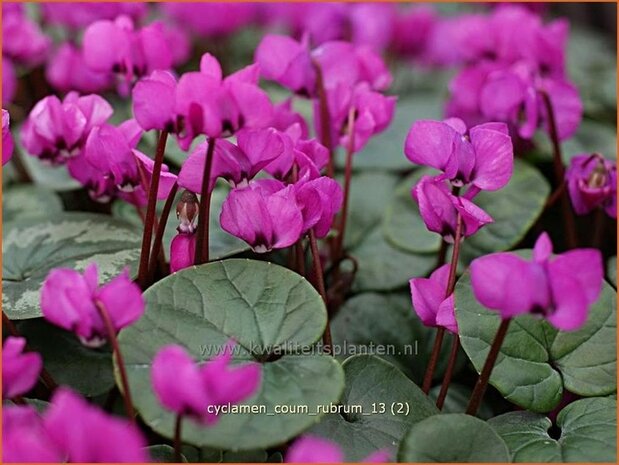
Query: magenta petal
[7, 138]
[227, 383]
[570, 301]
[20, 370]
[182, 251]
[502, 281]
[446, 316]
[543, 248]
[209, 65]
[310, 449]
[494, 158]
[105, 45]
[153, 101]
[567, 106]
[380, 456]
[123, 300]
[431, 143]
[286, 217]
[473, 217]
[585, 266]
[428, 294]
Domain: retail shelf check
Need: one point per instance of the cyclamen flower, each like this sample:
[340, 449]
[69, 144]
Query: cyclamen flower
[20, 370]
[80, 15]
[439, 209]
[265, 215]
[206, 103]
[154, 101]
[482, 156]
[319, 200]
[212, 19]
[7, 138]
[116, 47]
[592, 183]
[237, 164]
[187, 388]
[430, 303]
[70, 300]
[22, 39]
[312, 449]
[561, 289]
[182, 251]
[70, 430]
[56, 131]
[67, 70]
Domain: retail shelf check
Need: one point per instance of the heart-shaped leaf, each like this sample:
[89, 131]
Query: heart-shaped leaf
[163, 453]
[32, 247]
[588, 433]
[379, 405]
[453, 437]
[536, 361]
[264, 307]
[29, 201]
[457, 400]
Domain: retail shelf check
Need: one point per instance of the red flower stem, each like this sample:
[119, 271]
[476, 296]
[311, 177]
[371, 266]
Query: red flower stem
[347, 181]
[320, 284]
[442, 254]
[440, 332]
[484, 377]
[599, 224]
[177, 439]
[325, 118]
[150, 209]
[49, 382]
[111, 334]
[455, 345]
[300, 257]
[163, 221]
[202, 237]
[568, 217]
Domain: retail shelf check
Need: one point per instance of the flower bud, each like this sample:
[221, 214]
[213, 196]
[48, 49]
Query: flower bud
[187, 211]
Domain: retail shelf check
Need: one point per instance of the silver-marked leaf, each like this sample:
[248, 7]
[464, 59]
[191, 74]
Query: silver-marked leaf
[379, 404]
[56, 178]
[453, 437]
[264, 307]
[32, 247]
[588, 433]
[29, 201]
[536, 361]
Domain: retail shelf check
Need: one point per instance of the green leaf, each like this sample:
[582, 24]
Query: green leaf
[162, 453]
[29, 201]
[371, 384]
[536, 361]
[612, 271]
[263, 307]
[588, 433]
[515, 208]
[453, 437]
[56, 178]
[394, 333]
[369, 193]
[457, 400]
[88, 371]
[221, 243]
[386, 150]
[403, 226]
[385, 268]
[33, 247]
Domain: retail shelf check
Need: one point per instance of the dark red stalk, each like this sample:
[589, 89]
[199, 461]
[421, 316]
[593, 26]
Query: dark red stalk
[320, 284]
[453, 355]
[599, 224]
[111, 334]
[566, 207]
[157, 244]
[325, 118]
[202, 237]
[151, 209]
[484, 377]
[440, 332]
[177, 439]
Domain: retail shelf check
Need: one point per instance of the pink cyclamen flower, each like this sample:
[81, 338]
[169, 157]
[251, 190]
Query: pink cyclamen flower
[86, 434]
[561, 288]
[313, 449]
[265, 215]
[67, 70]
[25, 438]
[71, 300]
[439, 209]
[319, 199]
[22, 39]
[212, 19]
[19, 370]
[154, 100]
[592, 183]
[207, 103]
[430, 303]
[237, 164]
[182, 251]
[186, 388]
[80, 15]
[7, 138]
[116, 47]
[482, 156]
[9, 81]
[56, 131]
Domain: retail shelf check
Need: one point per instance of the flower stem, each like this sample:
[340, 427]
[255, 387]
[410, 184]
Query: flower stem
[599, 224]
[325, 118]
[320, 284]
[440, 333]
[163, 221]
[347, 181]
[177, 438]
[111, 333]
[202, 237]
[568, 217]
[455, 345]
[484, 377]
[150, 209]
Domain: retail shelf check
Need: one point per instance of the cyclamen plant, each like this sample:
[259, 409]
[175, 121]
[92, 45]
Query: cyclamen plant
[318, 194]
